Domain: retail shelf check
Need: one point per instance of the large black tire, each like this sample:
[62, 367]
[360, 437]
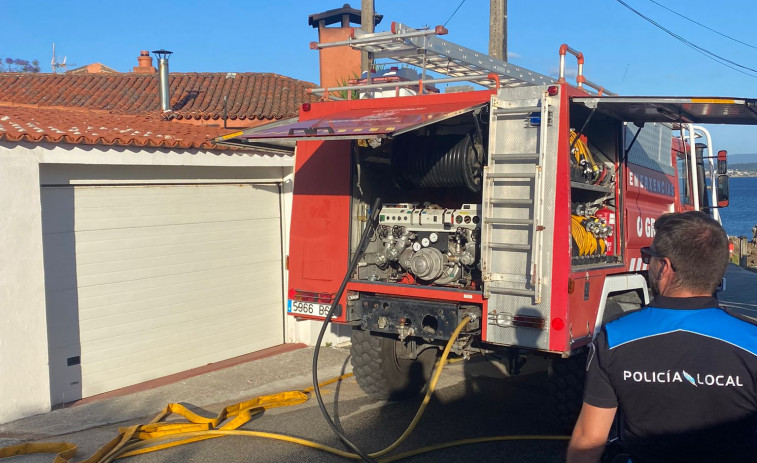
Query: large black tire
[379, 372]
[566, 383]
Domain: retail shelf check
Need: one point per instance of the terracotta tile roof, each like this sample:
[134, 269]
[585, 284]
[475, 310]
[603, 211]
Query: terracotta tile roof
[193, 95]
[97, 127]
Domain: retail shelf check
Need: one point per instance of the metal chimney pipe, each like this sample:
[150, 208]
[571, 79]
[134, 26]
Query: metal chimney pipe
[165, 97]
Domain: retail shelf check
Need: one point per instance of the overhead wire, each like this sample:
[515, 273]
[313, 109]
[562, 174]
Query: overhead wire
[711, 55]
[453, 13]
[703, 25]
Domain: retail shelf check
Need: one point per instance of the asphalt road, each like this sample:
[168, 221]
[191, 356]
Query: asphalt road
[473, 399]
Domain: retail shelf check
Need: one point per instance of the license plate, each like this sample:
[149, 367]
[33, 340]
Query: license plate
[308, 308]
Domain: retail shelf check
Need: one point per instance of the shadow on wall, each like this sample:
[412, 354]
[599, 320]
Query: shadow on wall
[61, 295]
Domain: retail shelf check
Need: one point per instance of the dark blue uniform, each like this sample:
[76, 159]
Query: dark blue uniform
[684, 374]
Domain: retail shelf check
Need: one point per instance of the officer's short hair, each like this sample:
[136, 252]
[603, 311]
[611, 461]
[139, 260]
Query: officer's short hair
[696, 245]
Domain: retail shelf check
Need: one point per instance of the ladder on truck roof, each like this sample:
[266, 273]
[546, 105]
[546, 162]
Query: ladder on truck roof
[423, 49]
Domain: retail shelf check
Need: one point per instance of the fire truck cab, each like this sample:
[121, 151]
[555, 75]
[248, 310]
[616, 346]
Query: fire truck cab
[522, 206]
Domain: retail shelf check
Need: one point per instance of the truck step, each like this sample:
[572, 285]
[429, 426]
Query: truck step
[511, 202]
[534, 157]
[510, 247]
[499, 221]
[509, 175]
[516, 111]
[512, 291]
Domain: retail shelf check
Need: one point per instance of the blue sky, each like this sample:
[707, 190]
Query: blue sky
[623, 52]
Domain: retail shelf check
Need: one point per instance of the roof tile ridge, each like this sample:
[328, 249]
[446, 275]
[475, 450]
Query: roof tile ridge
[19, 105]
[288, 78]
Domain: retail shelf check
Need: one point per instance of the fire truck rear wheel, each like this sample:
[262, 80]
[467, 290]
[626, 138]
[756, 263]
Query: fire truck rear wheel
[381, 374]
[566, 384]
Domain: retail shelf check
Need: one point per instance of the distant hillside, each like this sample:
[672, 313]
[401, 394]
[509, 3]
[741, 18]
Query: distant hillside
[751, 166]
[741, 158]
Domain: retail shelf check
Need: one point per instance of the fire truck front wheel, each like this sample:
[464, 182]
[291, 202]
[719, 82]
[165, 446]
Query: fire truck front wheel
[381, 373]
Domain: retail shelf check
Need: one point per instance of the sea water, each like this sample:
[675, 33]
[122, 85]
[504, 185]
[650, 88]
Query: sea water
[741, 214]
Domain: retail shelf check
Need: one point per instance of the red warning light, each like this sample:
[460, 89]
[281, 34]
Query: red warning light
[558, 324]
[306, 107]
[553, 90]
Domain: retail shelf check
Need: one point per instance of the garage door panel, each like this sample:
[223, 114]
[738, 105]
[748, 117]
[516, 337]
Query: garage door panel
[180, 194]
[157, 220]
[102, 208]
[158, 253]
[134, 271]
[163, 278]
[163, 312]
[194, 337]
[104, 240]
[167, 310]
[121, 290]
[139, 246]
[178, 363]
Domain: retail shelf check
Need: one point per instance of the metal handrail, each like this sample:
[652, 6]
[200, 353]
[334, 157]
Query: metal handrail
[581, 80]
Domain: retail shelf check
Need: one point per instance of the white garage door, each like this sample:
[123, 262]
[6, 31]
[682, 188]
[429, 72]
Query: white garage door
[147, 281]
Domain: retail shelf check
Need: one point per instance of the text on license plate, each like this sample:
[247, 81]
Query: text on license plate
[308, 308]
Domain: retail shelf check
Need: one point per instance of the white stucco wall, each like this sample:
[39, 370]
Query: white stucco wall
[24, 373]
[24, 378]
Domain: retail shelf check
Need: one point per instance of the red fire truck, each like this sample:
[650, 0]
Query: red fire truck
[522, 206]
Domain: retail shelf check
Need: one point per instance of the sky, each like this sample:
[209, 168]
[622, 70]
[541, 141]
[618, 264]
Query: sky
[623, 52]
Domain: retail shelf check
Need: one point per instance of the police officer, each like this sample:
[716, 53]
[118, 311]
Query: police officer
[682, 370]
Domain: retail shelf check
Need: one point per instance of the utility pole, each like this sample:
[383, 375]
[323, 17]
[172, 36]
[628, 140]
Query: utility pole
[367, 18]
[498, 29]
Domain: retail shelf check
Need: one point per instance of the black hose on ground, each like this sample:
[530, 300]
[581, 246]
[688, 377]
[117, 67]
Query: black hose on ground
[372, 221]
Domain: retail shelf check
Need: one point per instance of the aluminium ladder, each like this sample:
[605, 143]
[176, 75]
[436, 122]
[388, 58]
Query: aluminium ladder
[512, 203]
[422, 48]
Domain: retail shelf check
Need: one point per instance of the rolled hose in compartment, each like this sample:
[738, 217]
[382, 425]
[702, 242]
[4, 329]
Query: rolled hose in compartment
[439, 161]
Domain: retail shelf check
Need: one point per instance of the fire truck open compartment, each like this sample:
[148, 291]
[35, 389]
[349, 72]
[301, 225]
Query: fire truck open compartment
[595, 144]
[429, 182]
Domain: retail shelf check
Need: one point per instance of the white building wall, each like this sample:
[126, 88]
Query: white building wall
[24, 371]
[24, 379]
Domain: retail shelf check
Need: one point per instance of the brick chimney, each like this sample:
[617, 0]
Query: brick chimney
[339, 64]
[145, 64]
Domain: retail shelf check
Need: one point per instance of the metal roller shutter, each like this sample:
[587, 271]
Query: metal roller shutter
[144, 281]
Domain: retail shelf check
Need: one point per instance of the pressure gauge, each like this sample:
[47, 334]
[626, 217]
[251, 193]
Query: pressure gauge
[425, 242]
[433, 237]
[416, 246]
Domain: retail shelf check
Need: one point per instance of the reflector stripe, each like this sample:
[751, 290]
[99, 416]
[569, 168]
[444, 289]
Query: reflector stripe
[231, 135]
[633, 262]
[712, 100]
[638, 265]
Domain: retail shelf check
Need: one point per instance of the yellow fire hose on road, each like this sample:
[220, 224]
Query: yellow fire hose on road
[160, 435]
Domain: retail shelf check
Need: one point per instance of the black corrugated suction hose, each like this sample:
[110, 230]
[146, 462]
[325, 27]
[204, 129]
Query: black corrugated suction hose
[372, 221]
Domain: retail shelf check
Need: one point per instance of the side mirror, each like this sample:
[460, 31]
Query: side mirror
[722, 164]
[722, 190]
